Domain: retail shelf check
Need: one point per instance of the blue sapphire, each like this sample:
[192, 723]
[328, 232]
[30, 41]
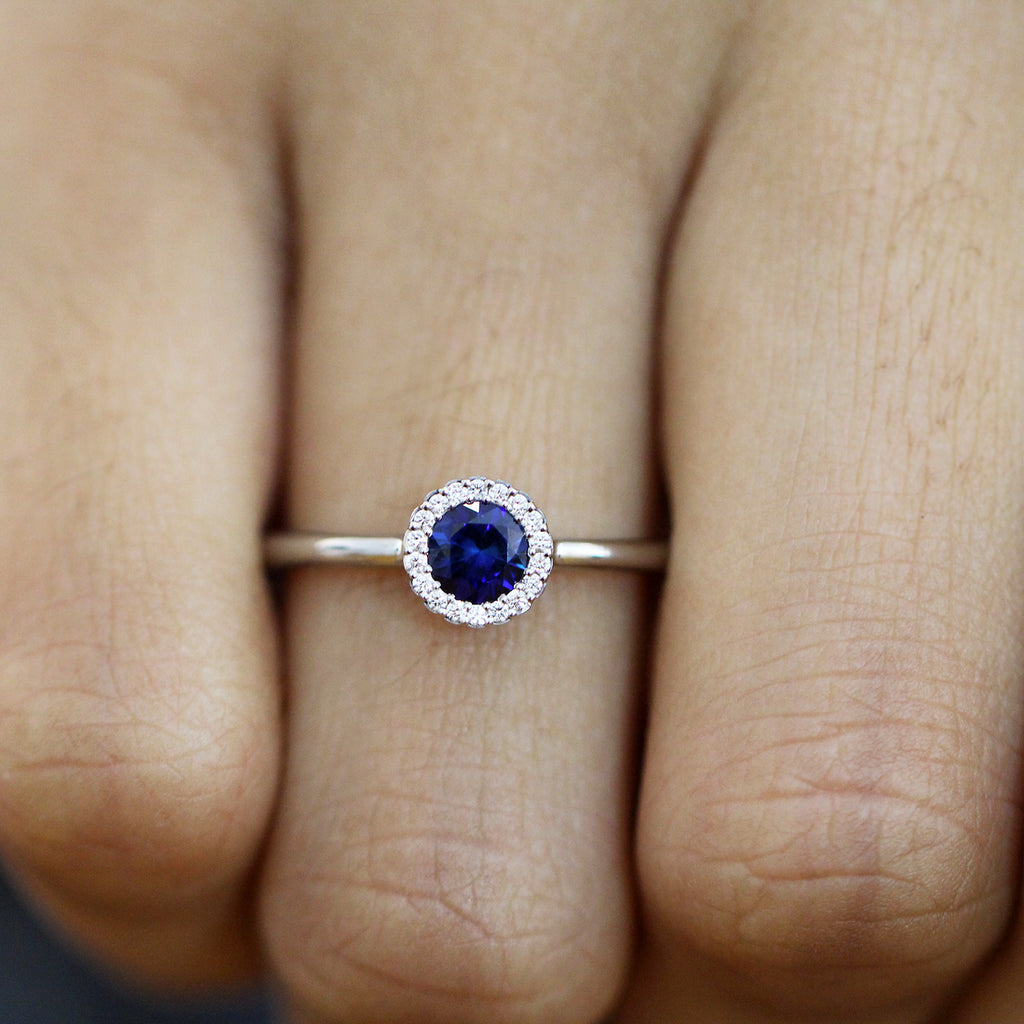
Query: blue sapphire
[477, 552]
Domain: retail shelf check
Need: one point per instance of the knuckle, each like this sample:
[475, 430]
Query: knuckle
[446, 927]
[123, 777]
[870, 845]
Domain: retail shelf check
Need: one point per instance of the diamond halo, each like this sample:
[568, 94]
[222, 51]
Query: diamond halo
[467, 492]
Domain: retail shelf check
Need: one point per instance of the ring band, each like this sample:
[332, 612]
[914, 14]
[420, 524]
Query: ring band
[477, 551]
[289, 550]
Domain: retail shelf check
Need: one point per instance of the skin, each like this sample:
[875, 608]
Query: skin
[750, 270]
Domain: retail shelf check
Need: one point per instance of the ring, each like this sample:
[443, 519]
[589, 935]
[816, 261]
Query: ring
[477, 551]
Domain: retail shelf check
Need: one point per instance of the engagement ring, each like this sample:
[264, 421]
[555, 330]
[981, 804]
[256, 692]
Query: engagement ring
[477, 551]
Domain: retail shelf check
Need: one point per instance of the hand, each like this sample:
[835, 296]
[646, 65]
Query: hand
[767, 255]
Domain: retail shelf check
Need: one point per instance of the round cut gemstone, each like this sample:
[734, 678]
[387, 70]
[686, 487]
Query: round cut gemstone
[477, 552]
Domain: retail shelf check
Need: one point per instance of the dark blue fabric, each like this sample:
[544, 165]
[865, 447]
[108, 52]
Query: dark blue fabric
[44, 982]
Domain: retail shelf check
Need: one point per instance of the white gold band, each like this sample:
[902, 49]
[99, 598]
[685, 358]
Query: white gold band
[287, 550]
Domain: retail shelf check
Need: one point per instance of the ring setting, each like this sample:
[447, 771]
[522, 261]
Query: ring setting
[478, 551]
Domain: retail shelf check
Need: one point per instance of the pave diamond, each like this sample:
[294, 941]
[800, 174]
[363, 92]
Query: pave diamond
[422, 519]
[415, 541]
[436, 503]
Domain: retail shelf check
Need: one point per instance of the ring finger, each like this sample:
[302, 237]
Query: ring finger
[477, 297]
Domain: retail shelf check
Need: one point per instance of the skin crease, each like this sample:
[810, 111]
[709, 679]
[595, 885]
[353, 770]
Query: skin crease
[759, 263]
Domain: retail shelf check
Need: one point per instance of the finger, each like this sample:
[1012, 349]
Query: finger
[477, 297]
[828, 817]
[138, 283]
